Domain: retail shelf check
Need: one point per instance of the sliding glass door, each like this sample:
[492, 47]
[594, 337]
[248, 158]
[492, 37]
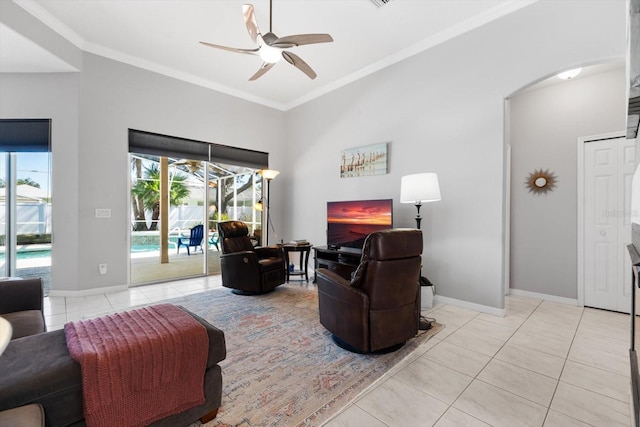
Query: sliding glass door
[25, 215]
[165, 239]
[180, 190]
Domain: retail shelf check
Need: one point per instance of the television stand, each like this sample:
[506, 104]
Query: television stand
[341, 261]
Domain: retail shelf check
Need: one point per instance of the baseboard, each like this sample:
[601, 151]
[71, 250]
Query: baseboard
[87, 292]
[501, 312]
[544, 297]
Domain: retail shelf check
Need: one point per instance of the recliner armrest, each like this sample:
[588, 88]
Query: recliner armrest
[340, 289]
[20, 295]
[251, 256]
[268, 251]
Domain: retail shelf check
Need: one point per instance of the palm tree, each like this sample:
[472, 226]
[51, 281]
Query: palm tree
[148, 190]
[139, 224]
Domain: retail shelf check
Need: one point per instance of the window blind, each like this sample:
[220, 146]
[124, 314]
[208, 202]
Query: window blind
[25, 135]
[171, 146]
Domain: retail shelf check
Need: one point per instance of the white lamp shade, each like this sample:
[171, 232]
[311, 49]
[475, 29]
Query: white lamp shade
[419, 187]
[269, 174]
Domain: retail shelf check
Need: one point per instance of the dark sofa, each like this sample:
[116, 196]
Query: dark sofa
[39, 369]
[21, 305]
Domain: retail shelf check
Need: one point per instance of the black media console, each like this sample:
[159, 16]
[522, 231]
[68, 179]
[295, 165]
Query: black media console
[341, 261]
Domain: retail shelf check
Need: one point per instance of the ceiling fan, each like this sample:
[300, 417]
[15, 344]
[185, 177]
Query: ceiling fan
[271, 48]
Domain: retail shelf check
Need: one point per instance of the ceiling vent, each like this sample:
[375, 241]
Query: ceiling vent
[380, 3]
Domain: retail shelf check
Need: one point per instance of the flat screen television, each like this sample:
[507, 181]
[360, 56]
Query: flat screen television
[349, 222]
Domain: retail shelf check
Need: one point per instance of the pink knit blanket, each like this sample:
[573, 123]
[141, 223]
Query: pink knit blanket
[139, 366]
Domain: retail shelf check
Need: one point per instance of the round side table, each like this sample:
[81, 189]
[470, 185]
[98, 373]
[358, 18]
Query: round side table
[304, 250]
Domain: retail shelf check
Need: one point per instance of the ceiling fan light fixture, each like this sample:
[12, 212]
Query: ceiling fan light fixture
[270, 54]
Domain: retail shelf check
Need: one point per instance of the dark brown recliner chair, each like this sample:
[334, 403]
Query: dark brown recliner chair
[21, 304]
[379, 309]
[245, 269]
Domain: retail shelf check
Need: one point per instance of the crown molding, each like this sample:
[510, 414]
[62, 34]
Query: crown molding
[51, 21]
[176, 74]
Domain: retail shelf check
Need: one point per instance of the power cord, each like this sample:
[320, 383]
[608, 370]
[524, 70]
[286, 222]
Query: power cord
[426, 323]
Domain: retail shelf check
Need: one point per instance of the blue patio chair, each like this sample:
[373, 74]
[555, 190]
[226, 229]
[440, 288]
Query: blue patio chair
[214, 239]
[195, 239]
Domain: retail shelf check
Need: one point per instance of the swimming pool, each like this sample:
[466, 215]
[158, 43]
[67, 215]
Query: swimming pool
[46, 253]
[33, 254]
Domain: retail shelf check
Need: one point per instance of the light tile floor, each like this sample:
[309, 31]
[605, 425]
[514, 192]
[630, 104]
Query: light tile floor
[543, 364]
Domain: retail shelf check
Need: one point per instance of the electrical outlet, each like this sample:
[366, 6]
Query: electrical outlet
[103, 213]
[102, 268]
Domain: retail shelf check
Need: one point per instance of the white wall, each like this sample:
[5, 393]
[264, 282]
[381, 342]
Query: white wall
[545, 126]
[442, 111]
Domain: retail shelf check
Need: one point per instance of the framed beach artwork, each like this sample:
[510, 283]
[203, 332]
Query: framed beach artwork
[364, 161]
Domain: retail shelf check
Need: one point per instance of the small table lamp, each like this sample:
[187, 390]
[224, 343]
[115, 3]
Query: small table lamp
[419, 188]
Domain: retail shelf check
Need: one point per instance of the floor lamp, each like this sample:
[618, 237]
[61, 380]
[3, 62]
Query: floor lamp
[417, 189]
[268, 174]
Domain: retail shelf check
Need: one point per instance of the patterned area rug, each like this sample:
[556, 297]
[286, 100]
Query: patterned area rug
[282, 367]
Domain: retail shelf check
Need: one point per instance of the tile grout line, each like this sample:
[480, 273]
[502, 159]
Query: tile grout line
[577, 386]
[355, 403]
[449, 406]
[475, 378]
[564, 364]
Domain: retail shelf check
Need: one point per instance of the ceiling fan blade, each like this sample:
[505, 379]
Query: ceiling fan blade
[250, 22]
[232, 49]
[265, 67]
[297, 62]
[301, 39]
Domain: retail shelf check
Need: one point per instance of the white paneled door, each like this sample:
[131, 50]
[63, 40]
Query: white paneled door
[608, 173]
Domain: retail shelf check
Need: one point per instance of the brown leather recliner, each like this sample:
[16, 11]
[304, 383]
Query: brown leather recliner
[245, 269]
[379, 309]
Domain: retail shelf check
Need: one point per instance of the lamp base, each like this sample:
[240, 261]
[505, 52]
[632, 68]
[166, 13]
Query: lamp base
[418, 217]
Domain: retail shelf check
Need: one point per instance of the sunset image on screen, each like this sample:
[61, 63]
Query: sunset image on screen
[349, 223]
[374, 212]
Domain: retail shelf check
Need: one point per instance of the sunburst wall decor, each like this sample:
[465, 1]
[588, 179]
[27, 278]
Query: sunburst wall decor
[541, 181]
